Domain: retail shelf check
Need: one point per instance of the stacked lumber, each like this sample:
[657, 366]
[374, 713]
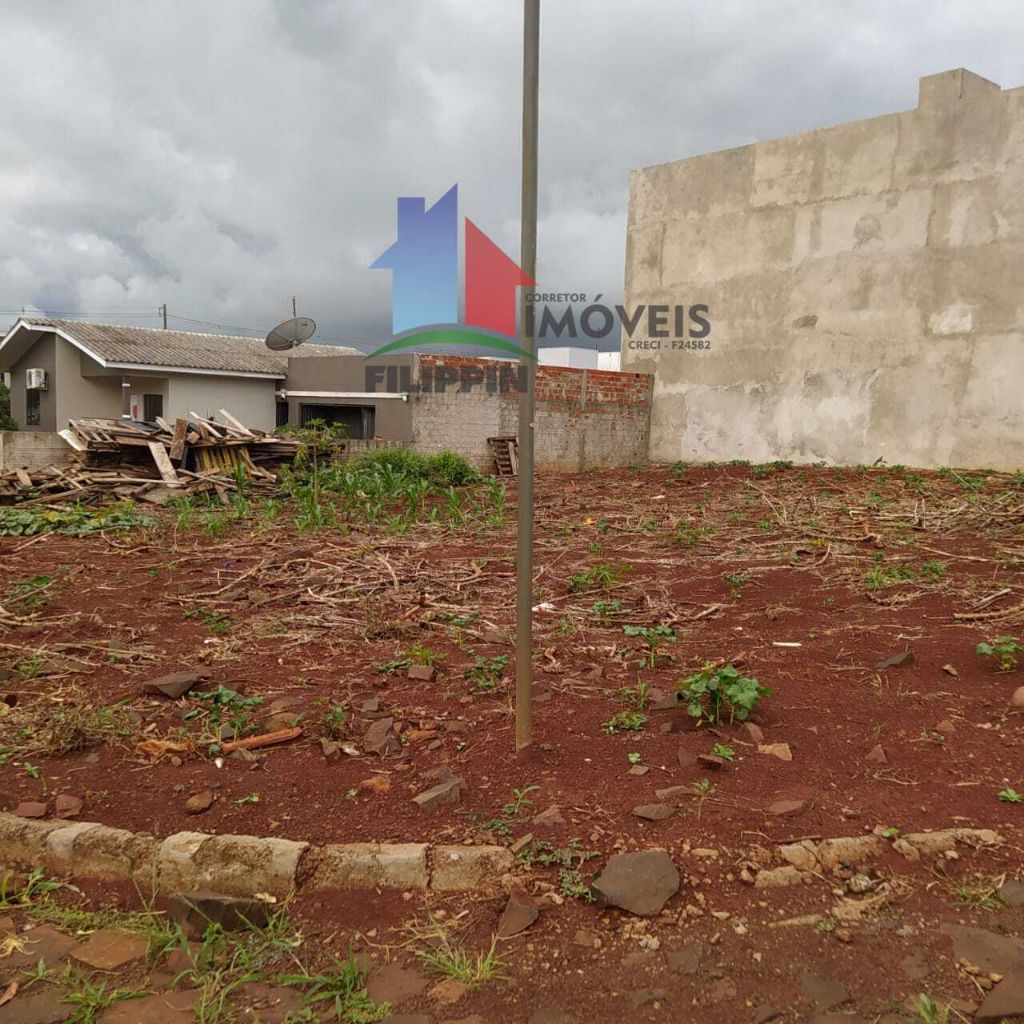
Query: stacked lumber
[154, 461]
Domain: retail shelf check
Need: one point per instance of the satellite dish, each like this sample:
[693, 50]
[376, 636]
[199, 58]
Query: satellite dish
[290, 334]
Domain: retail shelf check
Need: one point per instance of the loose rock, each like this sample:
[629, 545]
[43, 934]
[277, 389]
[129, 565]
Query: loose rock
[449, 792]
[787, 808]
[822, 992]
[196, 911]
[175, 685]
[900, 660]
[640, 883]
[654, 812]
[520, 912]
[876, 755]
[30, 809]
[107, 950]
[380, 738]
[779, 750]
[552, 816]
[66, 806]
[199, 802]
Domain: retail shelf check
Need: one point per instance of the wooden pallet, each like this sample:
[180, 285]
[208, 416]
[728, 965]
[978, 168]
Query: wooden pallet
[506, 455]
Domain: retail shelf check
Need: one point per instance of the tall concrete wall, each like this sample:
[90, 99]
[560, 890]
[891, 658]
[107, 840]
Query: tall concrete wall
[865, 285]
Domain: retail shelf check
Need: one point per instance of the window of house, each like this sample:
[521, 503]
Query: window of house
[32, 408]
[281, 414]
[152, 406]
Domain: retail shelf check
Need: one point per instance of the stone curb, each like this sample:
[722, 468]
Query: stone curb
[808, 860]
[244, 865]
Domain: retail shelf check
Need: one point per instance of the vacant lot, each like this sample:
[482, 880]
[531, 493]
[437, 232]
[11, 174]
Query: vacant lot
[856, 597]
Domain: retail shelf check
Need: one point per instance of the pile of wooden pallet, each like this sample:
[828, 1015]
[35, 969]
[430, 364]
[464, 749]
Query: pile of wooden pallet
[154, 462]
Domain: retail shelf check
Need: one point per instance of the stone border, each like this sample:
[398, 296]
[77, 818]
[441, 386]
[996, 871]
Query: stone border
[244, 865]
[807, 860]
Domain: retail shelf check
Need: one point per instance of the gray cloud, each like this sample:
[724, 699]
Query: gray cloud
[221, 157]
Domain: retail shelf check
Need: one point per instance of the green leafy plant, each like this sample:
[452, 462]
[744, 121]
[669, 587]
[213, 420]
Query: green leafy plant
[878, 578]
[213, 621]
[1005, 649]
[420, 654]
[928, 1011]
[224, 710]
[520, 799]
[625, 721]
[721, 693]
[604, 610]
[335, 718]
[75, 521]
[569, 860]
[725, 752]
[29, 595]
[1010, 796]
[486, 673]
[653, 637]
[736, 581]
[35, 887]
[338, 993]
[596, 576]
[633, 757]
[634, 696]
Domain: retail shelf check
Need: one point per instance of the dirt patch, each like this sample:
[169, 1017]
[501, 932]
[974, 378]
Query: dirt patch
[805, 579]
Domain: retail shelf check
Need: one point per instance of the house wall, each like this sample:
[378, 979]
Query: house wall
[42, 354]
[865, 285]
[392, 416]
[249, 399]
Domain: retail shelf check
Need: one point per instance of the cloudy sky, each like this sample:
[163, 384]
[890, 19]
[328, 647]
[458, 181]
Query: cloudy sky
[221, 157]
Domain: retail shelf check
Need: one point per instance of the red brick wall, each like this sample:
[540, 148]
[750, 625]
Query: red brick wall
[565, 383]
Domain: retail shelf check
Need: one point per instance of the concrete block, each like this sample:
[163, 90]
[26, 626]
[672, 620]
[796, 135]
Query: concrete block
[466, 868]
[87, 850]
[246, 865]
[176, 868]
[367, 866]
[23, 841]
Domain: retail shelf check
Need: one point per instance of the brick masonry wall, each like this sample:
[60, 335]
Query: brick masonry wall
[584, 418]
[32, 449]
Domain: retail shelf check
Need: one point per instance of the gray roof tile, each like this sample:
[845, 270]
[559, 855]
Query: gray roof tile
[151, 346]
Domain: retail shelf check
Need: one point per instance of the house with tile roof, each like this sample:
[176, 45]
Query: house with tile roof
[65, 369]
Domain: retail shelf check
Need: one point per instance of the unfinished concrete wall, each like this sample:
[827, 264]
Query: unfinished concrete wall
[32, 449]
[865, 285]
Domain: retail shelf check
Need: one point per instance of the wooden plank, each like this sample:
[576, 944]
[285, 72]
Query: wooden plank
[72, 439]
[207, 426]
[232, 422]
[23, 478]
[178, 440]
[163, 463]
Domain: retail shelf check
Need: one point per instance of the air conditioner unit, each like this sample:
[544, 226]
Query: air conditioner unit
[35, 379]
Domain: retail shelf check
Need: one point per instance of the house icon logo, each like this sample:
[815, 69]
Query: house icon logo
[424, 265]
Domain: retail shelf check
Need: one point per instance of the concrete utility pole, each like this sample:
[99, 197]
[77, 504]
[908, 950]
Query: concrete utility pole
[528, 262]
[163, 311]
